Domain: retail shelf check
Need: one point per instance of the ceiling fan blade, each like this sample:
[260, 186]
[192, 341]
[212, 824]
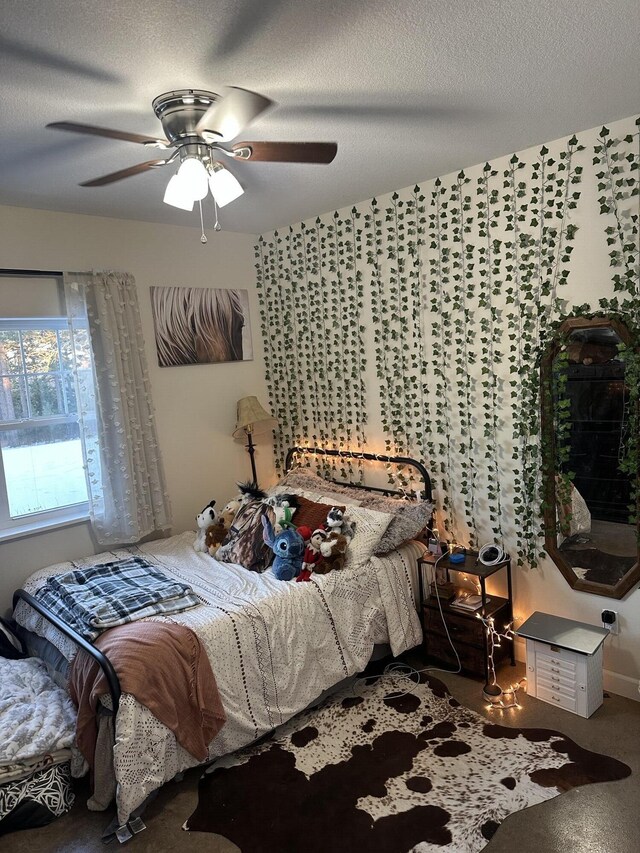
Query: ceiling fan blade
[50, 61]
[107, 132]
[286, 152]
[124, 173]
[224, 120]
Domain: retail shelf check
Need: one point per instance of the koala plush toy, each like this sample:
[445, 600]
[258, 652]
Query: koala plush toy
[204, 520]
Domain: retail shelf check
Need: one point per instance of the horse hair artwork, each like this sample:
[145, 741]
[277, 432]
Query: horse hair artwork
[201, 325]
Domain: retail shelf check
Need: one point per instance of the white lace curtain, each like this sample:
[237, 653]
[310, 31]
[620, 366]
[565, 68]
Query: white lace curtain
[125, 479]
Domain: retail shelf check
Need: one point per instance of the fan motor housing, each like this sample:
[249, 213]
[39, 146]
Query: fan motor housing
[181, 110]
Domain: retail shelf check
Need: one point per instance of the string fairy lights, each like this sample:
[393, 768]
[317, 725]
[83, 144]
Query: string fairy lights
[496, 697]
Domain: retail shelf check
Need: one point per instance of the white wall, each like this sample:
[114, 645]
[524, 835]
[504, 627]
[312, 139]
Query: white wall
[195, 405]
[543, 588]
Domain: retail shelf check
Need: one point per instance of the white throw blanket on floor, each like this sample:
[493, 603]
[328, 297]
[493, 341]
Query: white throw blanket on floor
[36, 716]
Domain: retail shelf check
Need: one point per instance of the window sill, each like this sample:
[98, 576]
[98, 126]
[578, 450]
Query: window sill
[32, 527]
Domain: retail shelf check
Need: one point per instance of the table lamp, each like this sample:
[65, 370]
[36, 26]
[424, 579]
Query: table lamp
[252, 418]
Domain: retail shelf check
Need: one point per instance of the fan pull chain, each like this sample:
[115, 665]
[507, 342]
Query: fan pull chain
[203, 236]
[217, 226]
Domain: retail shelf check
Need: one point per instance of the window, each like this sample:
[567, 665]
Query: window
[42, 476]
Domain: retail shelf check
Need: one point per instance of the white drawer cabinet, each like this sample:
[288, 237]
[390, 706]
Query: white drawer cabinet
[564, 662]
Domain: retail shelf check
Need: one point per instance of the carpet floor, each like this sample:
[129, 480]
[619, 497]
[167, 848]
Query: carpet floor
[597, 818]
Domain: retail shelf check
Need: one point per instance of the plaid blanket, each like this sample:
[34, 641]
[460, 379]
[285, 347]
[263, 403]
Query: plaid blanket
[96, 598]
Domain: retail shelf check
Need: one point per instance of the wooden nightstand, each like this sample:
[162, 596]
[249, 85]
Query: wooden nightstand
[465, 629]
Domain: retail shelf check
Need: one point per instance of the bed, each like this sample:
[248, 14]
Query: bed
[274, 647]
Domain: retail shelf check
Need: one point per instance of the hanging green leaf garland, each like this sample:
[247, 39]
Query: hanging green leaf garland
[311, 301]
[463, 297]
[619, 184]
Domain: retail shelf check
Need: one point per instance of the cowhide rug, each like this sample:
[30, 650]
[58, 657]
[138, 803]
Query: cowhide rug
[375, 773]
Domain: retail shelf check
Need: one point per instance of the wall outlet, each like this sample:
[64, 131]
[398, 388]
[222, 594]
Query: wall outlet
[610, 621]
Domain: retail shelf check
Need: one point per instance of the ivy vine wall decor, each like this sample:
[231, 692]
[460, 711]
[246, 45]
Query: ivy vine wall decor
[413, 324]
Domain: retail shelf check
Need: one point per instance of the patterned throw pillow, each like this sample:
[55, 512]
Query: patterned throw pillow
[311, 513]
[244, 544]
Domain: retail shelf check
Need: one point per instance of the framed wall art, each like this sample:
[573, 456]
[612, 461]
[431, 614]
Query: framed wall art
[201, 325]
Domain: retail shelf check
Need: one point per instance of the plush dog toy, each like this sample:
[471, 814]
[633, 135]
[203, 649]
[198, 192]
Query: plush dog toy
[335, 519]
[288, 547]
[217, 533]
[204, 520]
[333, 552]
[337, 523]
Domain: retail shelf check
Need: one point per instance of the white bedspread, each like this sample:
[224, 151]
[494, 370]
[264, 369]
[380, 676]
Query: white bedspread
[274, 647]
[36, 716]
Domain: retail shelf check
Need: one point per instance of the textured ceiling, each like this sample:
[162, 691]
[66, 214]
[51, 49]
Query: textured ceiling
[409, 89]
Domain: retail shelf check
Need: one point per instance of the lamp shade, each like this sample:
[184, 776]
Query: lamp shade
[224, 186]
[193, 177]
[178, 195]
[252, 416]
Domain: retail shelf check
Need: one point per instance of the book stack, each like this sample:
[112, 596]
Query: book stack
[443, 591]
[468, 601]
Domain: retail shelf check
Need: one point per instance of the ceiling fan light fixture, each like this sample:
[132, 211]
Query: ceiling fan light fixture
[178, 195]
[192, 174]
[224, 186]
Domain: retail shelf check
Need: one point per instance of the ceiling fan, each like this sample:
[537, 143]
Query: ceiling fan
[198, 126]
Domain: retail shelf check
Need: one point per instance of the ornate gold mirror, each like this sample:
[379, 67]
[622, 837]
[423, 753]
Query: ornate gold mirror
[590, 455]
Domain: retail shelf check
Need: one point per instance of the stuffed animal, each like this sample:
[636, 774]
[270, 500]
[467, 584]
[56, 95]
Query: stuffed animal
[204, 520]
[312, 554]
[305, 531]
[284, 507]
[337, 522]
[335, 519]
[333, 551]
[288, 547]
[250, 492]
[217, 533]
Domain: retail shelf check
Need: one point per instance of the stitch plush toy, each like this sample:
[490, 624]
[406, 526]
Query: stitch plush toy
[204, 520]
[288, 546]
[217, 533]
[333, 550]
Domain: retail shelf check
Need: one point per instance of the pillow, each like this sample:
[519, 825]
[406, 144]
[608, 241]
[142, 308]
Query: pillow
[370, 526]
[311, 513]
[315, 488]
[244, 544]
[306, 482]
[409, 517]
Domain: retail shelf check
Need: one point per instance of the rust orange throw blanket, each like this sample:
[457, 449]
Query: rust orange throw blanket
[166, 668]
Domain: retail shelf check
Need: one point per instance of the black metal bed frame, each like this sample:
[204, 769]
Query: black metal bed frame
[103, 661]
[369, 457]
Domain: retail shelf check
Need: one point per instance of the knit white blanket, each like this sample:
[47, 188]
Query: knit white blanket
[36, 716]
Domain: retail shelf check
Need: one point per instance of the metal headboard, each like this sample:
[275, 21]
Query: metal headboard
[369, 457]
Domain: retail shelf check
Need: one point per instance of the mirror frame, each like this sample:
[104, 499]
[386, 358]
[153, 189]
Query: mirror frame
[632, 577]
